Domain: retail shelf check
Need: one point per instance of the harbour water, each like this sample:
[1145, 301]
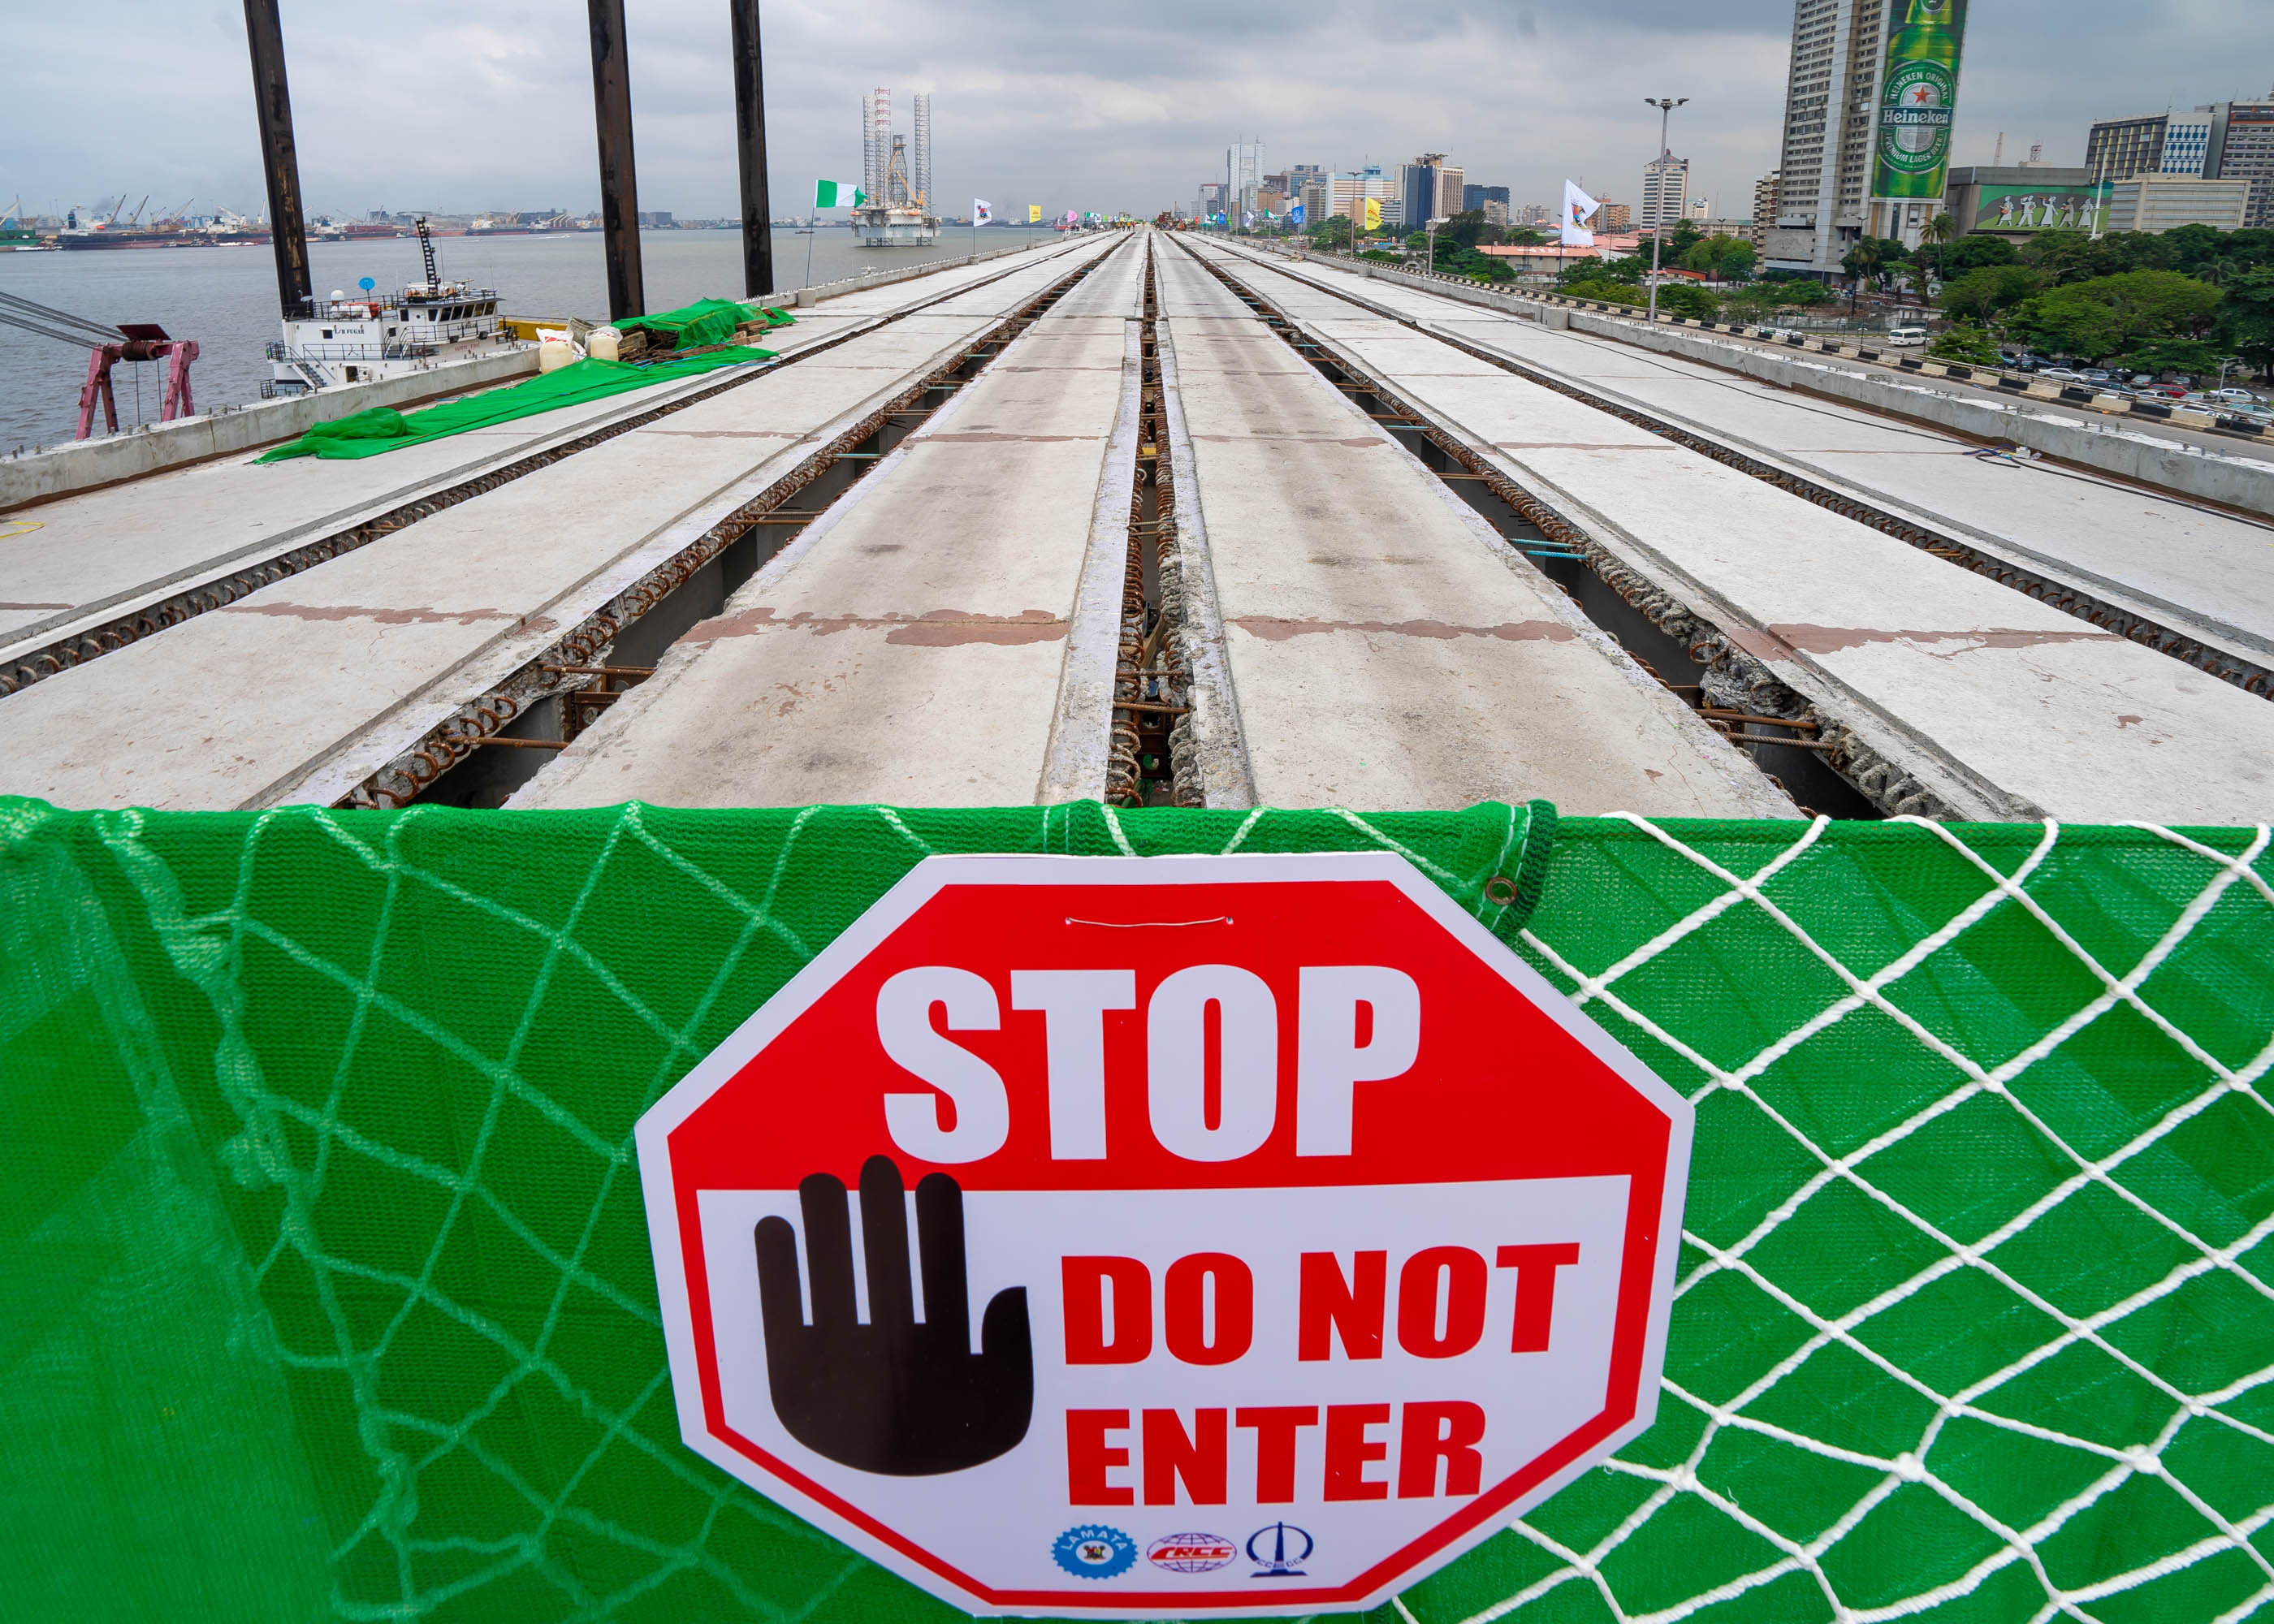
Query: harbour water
[226, 299]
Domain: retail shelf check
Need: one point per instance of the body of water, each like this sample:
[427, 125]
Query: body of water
[226, 299]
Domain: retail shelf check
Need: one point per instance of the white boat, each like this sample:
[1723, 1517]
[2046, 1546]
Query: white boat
[367, 336]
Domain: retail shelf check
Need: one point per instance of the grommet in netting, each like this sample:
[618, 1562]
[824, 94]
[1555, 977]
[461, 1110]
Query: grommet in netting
[1499, 890]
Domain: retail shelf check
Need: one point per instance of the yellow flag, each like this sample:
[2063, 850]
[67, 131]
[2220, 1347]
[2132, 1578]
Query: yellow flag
[1373, 213]
[1034, 213]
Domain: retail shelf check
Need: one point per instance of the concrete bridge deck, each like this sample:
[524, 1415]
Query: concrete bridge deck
[1999, 704]
[128, 550]
[2205, 571]
[302, 690]
[911, 644]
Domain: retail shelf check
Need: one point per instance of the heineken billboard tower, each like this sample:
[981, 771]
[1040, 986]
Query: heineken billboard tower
[1918, 99]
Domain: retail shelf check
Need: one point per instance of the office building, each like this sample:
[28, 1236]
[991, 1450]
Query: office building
[1418, 189]
[1532, 214]
[1270, 201]
[1665, 191]
[1701, 209]
[2118, 148]
[2225, 140]
[1451, 183]
[1367, 183]
[1316, 200]
[1244, 173]
[1302, 174]
[2242, 148]
[1211, 198]
[1477, 196]
[2018, 200]
[1494, 210]
[2154, 201]
[1832, 95]
[2186, 142]
[1764, 208]
[1614, 217]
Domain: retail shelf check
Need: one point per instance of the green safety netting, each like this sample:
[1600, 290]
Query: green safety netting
[325, 1290]
[368, 433]
[705, 321]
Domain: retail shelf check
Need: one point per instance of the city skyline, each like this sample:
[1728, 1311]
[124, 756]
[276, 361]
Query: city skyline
[486, 104]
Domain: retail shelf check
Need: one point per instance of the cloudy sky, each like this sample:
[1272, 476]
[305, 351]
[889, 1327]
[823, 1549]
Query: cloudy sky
[473, 104]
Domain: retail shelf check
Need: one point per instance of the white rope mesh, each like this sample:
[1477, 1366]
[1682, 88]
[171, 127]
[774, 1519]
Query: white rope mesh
[2029, 1396]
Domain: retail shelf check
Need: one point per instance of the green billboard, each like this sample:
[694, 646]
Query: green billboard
[1918, 99]
[2041, 208]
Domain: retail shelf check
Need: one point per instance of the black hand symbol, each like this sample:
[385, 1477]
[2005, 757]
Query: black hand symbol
[892, 1396]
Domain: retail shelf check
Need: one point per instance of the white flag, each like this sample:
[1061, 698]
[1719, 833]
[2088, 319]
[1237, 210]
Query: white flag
[1578, 206]
[983, 212]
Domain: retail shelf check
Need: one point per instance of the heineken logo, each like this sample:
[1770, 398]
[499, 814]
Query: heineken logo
[1915, 118]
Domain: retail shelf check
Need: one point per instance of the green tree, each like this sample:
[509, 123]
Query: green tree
[2246, 317]
[2107, 314]
[1524, 236]
[1982, 295]
[1682, 299]
[2173, 354]
[1933, 237]
[1967, 344]
[1974, 252]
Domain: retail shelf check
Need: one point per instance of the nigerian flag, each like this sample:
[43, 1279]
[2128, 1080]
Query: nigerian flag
[838, 194]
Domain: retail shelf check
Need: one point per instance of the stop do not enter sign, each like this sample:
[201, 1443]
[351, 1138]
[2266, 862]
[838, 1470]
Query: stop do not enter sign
[1134, 1237]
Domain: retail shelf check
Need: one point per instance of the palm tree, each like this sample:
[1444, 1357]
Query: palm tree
[1866, 254]
[1941, 230]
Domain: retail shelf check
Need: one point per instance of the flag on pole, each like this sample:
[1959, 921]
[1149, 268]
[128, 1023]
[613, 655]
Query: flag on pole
[1371, 209]
[983, 212]
[1295, 215]
[1578, 206]
[838, 194]
[1034, 213]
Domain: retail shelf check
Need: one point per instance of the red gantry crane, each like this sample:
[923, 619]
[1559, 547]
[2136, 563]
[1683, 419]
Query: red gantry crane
[130, 341]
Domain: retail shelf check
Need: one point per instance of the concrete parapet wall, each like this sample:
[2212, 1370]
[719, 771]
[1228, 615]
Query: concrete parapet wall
[42, 475]
[2237, 482]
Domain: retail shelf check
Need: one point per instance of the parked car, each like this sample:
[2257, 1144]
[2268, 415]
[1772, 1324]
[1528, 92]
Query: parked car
[2058, 374]
[2142, 380]
[2097, 374]
[2166, 391]
[2239, 397]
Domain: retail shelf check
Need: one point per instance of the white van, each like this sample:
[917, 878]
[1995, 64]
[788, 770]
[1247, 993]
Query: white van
[1906, 338]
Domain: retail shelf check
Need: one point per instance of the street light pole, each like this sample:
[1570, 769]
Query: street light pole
[1666, 106]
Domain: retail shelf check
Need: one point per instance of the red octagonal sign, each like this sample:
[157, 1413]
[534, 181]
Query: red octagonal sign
[1164, 1235]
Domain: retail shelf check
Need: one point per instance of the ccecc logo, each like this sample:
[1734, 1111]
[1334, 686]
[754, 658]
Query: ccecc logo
[1192, 1554]
[1094, 1550]
[1279, 1551]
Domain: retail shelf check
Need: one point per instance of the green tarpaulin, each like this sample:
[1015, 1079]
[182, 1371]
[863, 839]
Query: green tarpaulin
[705, 321]
[325, 1290]
[368, 433]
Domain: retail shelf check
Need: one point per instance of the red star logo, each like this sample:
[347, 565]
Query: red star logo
[1922, 95]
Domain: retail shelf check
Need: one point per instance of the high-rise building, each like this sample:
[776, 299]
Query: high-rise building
[1614, 217]
[2242, 148]
[2154, 200]
[1764, 208]
[2118, 148]
[1855, 125]
[1417, 189]
[1316, 200]
[1451, 183]
[1701, 209]
[1366, 183]
[1665, 191]
[1494, 211]
[2187, 141]
[1211, 198]
[1477, 196]
[2225, 140]
[1244, 173]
